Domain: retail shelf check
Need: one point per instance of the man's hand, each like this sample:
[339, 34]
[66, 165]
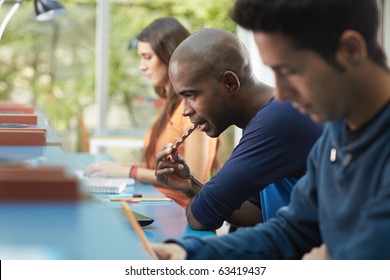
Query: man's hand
[172, 171]
[318, 253]
[107, 169]
[170, 251]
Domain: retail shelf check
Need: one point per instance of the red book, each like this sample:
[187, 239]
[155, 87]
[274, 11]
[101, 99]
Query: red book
[10, 106]
[18, 118]
[39, 184]
[23, 137]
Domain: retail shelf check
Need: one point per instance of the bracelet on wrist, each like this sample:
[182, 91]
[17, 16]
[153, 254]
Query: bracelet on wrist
[133, 172]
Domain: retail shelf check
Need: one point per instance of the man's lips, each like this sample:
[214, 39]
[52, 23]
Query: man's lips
[201, 125]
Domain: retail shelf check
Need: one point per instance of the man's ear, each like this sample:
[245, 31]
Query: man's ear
[352, 49]
[231, 81]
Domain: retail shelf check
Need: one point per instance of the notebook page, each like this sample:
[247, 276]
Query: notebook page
[104, 185]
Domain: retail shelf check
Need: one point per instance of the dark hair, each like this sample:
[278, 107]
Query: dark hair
[164, 35]
[314, 24]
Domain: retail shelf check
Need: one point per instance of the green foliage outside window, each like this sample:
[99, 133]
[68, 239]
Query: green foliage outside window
[52, 64]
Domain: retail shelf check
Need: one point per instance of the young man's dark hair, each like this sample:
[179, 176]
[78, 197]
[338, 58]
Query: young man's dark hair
[315, 25]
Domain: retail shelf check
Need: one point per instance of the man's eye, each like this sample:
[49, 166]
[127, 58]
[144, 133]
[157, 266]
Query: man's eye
[287, 71]
[188, 95]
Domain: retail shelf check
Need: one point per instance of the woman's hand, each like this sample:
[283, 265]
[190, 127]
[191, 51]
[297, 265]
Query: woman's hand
[107, 169]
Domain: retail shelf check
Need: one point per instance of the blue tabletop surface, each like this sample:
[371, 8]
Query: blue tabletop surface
[65, 231]
[169, 218]
[82, 230]
[34, 155]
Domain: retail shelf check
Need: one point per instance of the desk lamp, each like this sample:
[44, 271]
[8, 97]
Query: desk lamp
[44, 10]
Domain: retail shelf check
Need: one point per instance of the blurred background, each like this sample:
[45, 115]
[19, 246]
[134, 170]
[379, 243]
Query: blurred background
[54, 65]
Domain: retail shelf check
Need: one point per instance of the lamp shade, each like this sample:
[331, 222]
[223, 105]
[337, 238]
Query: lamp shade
[48, 9]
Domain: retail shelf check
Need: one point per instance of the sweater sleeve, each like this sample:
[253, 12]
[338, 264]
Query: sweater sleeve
[274, 146]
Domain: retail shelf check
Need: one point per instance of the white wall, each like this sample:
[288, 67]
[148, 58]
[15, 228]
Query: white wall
[386, 28]
[262, 72]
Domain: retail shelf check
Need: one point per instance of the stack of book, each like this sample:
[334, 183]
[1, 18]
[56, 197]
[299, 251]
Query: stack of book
[18, 125]
[23, 183]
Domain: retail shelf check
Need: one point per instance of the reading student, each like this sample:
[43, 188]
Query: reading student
[211, 69]
[155, 45]
[327, 60]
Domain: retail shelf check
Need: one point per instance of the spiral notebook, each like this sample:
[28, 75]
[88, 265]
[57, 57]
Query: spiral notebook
[95, 185]
[105, 185]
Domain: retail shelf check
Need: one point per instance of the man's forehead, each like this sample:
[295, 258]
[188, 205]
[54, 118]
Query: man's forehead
[274, 46]
[183, 69]
[273, 40]
[178, 63]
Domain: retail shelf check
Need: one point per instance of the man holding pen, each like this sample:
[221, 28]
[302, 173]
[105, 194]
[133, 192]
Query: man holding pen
[327, 60]
[213, 73]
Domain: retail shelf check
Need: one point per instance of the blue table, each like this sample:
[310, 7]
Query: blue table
[170, 220]
[65, 231]
[33, 155]
[81, 230]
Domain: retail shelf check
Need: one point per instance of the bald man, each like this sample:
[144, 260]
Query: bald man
[211, 70]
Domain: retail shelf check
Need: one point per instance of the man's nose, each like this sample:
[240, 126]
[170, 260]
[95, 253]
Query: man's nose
[186, 110]
[283, 90]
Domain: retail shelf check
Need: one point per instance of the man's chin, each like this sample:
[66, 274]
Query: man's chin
[318, 118]
[212, 134]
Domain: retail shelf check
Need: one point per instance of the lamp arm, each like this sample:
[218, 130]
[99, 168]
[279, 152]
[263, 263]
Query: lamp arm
[8, 17]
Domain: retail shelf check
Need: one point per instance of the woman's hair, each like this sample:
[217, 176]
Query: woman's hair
[164, 35]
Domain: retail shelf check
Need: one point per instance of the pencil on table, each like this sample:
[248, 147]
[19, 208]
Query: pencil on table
[139, 231]
[148, 199]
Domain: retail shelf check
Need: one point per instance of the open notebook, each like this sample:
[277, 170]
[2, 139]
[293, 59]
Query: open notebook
[104, 185]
